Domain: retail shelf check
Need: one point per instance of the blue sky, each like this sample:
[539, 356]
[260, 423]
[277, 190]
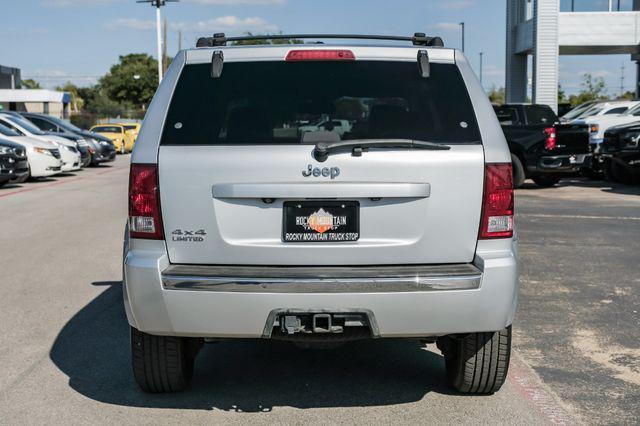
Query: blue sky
[78, 40]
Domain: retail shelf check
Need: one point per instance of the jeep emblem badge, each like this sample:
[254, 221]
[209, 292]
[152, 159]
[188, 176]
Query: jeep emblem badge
[332, 172]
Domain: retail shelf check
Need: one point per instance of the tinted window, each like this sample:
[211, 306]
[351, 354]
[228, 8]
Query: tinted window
[107, 129]
[44, 124]
[6, 131]
[540, 115]
[25, 124]
[507, 116]
[278, 102]
[65, 124]
[12, 127]
[592, 111]
[618, 110]
[127, 127]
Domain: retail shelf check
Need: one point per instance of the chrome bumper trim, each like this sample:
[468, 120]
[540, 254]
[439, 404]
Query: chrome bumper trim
[377, 279]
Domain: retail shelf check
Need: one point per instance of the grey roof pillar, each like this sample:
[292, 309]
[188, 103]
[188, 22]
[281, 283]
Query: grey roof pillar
[516, 63]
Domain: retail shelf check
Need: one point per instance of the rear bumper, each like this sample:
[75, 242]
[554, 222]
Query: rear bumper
[561, 163]
[480, 298]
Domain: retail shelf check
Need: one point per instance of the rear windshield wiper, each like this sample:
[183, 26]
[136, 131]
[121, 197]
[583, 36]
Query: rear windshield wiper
[323, 149]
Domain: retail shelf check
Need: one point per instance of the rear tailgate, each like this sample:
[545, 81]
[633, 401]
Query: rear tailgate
[231, 161]
[435, 221]
[572, 139]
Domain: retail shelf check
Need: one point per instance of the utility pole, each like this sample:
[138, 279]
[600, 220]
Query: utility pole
[481, 53]
[179, 40]
[165, 60]
[622, 79]
[462, 27]
[158, 4]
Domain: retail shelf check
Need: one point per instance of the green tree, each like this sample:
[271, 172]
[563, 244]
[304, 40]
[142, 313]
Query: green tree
[496, 95]
[593, 89]
[133, 80]
[562, 97]
[627, 96]
[76, 101]
[96, 101]
[29, 83]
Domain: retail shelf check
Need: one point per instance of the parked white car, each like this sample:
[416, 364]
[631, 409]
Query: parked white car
[68, 149]
[607, 115]
[43, 157]
[607, 108]
[336, 125]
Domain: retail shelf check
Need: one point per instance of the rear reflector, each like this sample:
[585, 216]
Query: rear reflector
[320, 55]
[497, 203]
[144, 202]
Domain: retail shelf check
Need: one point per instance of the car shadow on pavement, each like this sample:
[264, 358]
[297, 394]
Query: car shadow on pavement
[603, 185]
[92, 349]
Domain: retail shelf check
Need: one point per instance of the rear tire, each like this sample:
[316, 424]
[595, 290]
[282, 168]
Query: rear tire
[478, 362]
[518, 171]
[163, 363]
[617, 172]
[546, 181]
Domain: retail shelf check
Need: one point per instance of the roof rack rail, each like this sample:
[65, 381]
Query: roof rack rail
[418, 39]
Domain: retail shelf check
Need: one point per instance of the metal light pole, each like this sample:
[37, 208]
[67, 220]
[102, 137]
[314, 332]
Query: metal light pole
[158, 4]
[462, 27]
[481, 53]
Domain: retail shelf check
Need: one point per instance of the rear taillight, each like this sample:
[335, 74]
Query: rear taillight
[145, 219]
[320, 55]
[497, 203]
[550, 142]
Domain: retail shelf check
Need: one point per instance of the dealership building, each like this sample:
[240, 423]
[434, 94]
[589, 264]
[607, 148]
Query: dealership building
[545, 29]
[13, 98]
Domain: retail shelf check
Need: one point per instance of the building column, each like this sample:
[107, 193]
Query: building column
[638, 79]
[545, 52]
[516, 63]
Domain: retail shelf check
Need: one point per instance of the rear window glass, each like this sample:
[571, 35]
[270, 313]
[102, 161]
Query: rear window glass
[278, 102]
[107, 129]
[540, 115]
[506, 115]
[129, 127]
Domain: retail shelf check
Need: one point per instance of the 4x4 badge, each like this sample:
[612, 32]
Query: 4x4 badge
[332, 172]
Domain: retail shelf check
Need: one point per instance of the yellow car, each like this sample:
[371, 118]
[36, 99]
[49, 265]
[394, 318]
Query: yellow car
[132, 128]
[122, 140]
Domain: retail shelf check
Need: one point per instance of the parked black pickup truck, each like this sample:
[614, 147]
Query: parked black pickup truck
[621, 153]
[541, 147]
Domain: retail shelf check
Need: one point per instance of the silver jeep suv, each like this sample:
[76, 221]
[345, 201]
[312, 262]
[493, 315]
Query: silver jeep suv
[399, 224]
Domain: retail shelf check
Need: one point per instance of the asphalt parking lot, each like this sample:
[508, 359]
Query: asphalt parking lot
[64, 336]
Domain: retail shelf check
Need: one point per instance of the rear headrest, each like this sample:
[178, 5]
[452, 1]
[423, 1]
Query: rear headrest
[388, 120]
[249, 124]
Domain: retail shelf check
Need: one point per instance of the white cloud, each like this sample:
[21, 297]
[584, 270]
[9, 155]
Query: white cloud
[74, 3]
[133, 23]
[222, 23]
[227, 23]
[50, 78]
[236, 2]
[493, 71]
[448, 26]
[596, 73]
